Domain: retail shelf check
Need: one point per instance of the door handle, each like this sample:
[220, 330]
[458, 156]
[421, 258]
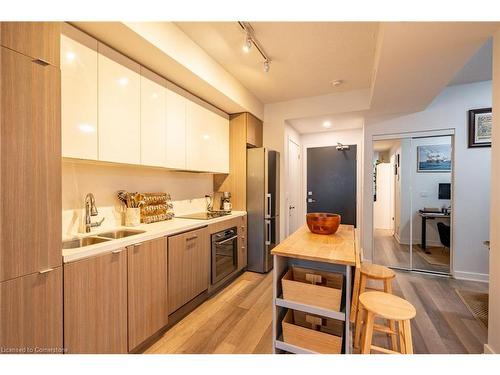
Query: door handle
[268, 232]
[269, 202]
[41, 62]
[118, 251]
[291, 207]
[226, 240]
[192, 238]
[45, 271]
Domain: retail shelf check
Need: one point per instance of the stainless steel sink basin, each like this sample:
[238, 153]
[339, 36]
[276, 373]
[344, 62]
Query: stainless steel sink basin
[120, 233]
[81, 242]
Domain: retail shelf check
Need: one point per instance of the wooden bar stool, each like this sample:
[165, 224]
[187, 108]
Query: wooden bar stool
[392, 308]
[369, 271]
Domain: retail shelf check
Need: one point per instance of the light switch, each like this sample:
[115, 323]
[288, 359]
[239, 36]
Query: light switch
[309, 193]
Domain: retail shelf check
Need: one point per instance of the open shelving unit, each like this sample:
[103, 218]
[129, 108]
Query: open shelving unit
[281, 305]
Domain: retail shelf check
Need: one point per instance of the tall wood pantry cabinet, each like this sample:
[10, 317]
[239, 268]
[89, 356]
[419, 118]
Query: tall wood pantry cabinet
[30, 185]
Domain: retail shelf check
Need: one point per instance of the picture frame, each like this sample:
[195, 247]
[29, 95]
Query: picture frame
[480, 127]
[434, 158]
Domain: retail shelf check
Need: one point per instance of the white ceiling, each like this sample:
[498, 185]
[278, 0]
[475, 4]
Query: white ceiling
[306, 56]
[478, 68]
[344, 121]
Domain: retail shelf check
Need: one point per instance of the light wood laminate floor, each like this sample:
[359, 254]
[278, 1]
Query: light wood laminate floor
[238, 319]
[390, 253]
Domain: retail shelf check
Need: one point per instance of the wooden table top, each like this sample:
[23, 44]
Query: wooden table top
[338, 248]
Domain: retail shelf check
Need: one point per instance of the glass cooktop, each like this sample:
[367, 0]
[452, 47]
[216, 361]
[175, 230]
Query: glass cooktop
[205, 215]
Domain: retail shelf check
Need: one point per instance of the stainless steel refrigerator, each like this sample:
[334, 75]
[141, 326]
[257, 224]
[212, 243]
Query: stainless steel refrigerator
[263, 186]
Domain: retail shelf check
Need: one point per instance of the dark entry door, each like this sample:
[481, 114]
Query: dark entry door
[331, 181]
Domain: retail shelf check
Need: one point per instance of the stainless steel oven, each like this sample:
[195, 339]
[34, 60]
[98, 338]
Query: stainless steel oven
[224, 254]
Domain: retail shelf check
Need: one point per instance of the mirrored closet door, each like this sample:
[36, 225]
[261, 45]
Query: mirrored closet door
[412, 200]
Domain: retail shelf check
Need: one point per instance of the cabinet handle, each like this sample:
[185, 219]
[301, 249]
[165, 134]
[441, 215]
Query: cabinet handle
[138, 244]
[45, 271]
[41, 62]
[117, 251]
[192, 238]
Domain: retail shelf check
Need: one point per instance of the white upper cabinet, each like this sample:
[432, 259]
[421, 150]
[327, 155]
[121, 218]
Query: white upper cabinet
[119, 108]
[220, 158]
[176, 131]
[207, 144]
[79, 96]
[153, 119]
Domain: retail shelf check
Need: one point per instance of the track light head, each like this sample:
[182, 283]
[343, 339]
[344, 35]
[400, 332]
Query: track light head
[248, 44]
[266, 66]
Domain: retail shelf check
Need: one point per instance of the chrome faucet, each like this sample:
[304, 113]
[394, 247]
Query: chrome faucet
[90, 210]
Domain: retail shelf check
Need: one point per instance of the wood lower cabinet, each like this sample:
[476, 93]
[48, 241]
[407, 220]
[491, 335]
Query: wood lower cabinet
[147, 290]
[39, 40]
[31, 313]
[95, 304]
[188, 267]
[30, 163]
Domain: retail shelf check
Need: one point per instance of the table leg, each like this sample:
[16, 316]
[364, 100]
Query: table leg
[424, 234]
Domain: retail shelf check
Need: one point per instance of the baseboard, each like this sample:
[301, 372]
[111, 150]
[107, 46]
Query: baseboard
[471, 276]
[488, 350]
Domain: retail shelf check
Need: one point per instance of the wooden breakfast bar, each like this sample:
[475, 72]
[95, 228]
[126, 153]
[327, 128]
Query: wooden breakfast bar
[312, 292]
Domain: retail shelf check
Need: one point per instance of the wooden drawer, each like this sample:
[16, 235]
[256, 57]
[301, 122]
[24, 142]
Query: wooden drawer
[188, 267]
[313, 287]
[312, 332]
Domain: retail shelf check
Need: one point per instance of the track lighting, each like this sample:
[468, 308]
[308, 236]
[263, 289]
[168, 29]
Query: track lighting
[251, 40]
[248, 44]
[266, 66]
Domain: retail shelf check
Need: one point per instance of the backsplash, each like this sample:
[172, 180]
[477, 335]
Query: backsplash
[104, 180]
[73, 220]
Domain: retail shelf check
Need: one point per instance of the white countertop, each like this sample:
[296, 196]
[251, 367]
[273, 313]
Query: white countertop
[154, 230]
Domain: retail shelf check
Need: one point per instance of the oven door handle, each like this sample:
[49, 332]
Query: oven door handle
[268, 232]
[226, 240]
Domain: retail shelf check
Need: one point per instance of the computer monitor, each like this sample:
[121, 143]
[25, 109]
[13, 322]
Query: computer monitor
[444, 191]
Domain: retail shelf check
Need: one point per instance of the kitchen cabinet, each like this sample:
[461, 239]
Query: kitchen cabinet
[254, 130]
[147, 290]
[188, 267]
[119, 129]
[153, 119]
[207, 143]
[95, 304]
[31, 313]
[38, 40]
[78, 94]
[176, 131]
[30, 163]
[242, 242]
[245, 130]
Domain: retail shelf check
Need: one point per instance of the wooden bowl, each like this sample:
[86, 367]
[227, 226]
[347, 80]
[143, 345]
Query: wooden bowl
[323, 223]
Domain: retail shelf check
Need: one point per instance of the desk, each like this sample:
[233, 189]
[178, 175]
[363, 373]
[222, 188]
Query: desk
[430, 216]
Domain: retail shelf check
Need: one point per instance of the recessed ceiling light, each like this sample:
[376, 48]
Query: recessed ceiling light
[327, 124]
[336, 82]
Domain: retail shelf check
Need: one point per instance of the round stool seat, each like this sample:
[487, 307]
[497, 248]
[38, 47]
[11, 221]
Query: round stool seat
[387, 305]
[376, 271]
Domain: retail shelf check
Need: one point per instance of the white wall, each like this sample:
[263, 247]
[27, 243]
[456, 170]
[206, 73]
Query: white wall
[493, 345]
[324, 139]
[471, 174]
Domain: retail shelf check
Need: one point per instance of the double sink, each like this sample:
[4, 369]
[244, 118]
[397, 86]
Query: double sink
[75, 243]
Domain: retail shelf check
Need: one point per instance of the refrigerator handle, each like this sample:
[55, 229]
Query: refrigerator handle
[269, 203]
[268, 232]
